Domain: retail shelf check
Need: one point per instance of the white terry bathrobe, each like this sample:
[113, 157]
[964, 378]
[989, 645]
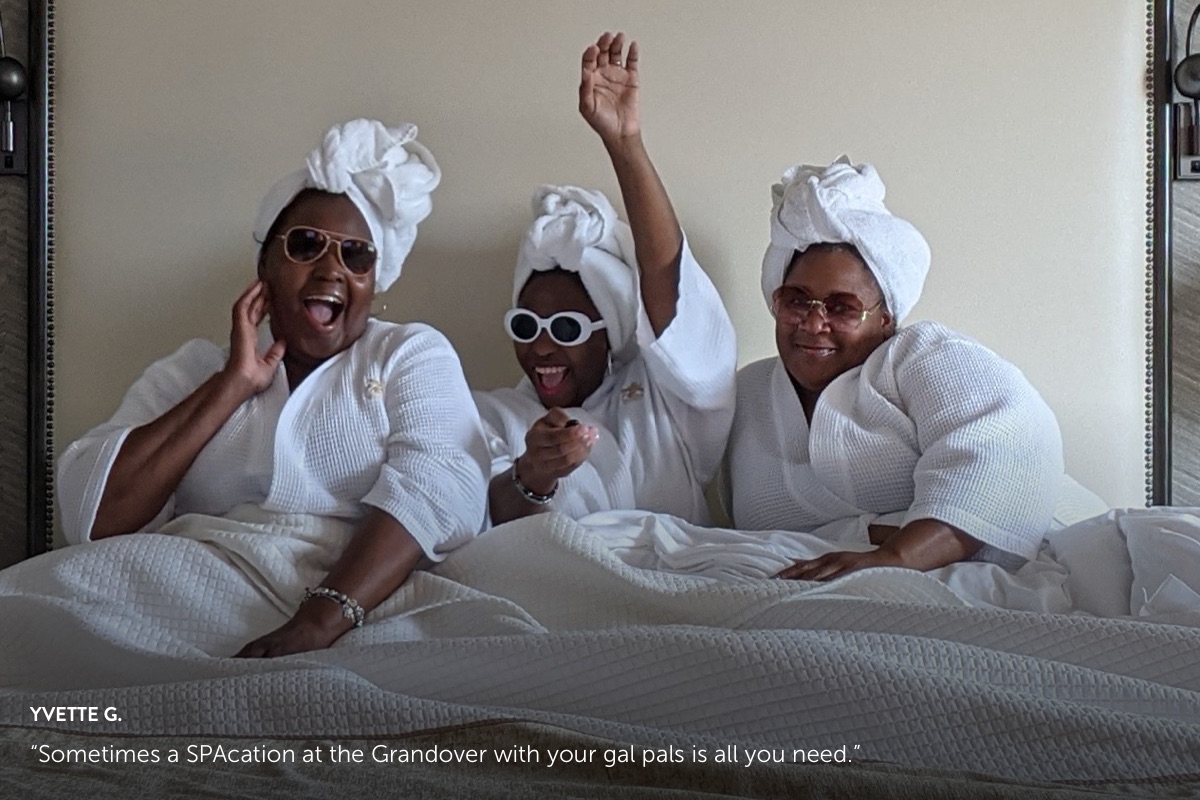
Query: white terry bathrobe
[388, 422]
[933, 424]
[665, 409]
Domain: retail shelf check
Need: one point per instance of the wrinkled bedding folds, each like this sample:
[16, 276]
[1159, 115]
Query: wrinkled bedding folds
[558, 622]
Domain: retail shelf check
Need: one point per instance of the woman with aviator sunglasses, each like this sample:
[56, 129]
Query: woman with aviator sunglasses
[324, 413]
[935, 448]
[629, 361]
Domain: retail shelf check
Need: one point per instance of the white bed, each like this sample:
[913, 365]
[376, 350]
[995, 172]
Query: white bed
[543, 625]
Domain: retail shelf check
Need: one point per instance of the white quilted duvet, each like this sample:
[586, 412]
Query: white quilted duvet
[546, 619]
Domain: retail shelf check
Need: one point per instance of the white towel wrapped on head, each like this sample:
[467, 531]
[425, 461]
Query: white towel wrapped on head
[578, 230]
[385, 172]
[844, 203]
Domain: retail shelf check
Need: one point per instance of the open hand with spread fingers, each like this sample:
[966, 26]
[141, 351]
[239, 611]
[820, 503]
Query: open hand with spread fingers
[608, 89]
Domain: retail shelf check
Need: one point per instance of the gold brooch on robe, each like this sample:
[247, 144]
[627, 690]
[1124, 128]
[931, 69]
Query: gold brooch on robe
[633, 391]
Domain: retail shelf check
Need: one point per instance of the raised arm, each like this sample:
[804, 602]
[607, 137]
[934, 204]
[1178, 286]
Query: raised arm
[154, 457]
[608, 100]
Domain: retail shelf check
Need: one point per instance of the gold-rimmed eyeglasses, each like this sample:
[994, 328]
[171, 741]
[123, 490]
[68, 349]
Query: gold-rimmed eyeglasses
[842, 311]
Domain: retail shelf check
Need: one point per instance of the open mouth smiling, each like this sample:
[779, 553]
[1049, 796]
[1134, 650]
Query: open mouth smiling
[550, 379]
[324, 310]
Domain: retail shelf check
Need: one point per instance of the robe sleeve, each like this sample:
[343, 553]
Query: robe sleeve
[84, 467]
[693, 366]
[695, 358]
[991, 460]
[434, 478]
[499, 451]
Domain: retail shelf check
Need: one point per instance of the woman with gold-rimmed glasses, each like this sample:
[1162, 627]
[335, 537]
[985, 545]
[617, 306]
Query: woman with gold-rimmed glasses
[353, 441]
[940, 449]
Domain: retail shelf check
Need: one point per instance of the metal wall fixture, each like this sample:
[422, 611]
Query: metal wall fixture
[14, 127]
[1185, 116]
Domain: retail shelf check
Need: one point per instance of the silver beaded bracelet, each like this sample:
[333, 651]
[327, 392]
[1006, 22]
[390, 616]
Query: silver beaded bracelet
[350, 607]
[529, 494]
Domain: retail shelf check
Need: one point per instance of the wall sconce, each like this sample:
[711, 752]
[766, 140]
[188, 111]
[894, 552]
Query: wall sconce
[14, 127]
[1185, 117]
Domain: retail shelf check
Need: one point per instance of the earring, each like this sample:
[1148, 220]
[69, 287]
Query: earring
[378, 306]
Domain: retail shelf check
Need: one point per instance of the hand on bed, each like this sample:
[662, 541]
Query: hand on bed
[554, 447]
[608, 89]
[316, 626]
[244, 363]
[923, 544]
[835, 565]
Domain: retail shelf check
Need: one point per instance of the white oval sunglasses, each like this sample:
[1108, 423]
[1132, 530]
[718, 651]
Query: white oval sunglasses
[567, 328]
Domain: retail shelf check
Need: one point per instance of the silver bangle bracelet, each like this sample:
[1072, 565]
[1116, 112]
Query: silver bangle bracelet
[529, 494]
[350, 607]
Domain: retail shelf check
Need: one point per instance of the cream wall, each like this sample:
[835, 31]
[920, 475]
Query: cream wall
[1014, 142]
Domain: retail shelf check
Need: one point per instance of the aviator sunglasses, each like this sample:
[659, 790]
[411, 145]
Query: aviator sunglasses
[303, 245]
[568, 328]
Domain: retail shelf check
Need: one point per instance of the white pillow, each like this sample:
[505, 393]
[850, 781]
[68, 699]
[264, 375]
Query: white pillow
[1095, 555]
[1164, 549]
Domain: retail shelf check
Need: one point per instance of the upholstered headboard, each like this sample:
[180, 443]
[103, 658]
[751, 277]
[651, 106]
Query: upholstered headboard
[1013, 134]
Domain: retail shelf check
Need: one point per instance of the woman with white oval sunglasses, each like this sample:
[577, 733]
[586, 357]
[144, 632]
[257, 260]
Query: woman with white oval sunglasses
[628, 353]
